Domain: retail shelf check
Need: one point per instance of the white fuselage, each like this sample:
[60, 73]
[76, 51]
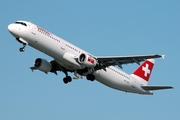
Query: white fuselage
[56, 47]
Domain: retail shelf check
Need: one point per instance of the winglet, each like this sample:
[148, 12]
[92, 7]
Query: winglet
[162, 56]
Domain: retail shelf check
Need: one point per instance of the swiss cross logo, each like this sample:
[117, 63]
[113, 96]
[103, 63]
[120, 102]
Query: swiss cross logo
[145, 70]
[90, 60]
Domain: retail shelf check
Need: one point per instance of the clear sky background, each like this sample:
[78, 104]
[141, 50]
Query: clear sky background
[101, 27]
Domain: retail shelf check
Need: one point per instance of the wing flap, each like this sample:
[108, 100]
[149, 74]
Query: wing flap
[156, 87]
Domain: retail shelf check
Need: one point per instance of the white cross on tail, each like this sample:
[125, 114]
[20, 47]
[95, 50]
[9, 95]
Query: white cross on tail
[146, 70]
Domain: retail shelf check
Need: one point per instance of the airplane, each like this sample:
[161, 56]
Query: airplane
[70, 58]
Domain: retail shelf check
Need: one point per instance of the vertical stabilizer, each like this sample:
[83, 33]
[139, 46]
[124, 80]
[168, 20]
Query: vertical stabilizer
[144, 71]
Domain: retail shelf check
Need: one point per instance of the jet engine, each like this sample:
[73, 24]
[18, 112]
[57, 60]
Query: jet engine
[87, 60]
[43, 65]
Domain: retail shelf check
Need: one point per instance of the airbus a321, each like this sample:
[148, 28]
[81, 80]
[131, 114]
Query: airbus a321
[70, 58]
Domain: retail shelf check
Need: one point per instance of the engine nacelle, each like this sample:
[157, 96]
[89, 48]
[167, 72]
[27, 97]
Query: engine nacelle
[43, 65]
[71, 60]
[87, 60]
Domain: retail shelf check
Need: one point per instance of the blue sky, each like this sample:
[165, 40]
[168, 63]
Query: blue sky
[103, 28]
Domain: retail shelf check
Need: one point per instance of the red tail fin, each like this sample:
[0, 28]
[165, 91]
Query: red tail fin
[144, 71]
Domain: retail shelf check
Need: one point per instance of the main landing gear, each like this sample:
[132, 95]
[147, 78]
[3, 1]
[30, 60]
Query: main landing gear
[90, 77]
[67, 79]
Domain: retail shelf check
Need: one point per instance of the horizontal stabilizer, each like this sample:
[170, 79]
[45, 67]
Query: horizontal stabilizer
[156, 87]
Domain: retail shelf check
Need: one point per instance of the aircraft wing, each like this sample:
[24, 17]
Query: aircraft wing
[121, 60]
[156, 87]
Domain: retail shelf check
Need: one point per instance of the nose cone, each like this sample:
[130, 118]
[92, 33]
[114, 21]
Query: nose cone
[12, 29]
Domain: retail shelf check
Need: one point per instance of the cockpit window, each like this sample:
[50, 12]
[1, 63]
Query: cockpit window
[21, 23]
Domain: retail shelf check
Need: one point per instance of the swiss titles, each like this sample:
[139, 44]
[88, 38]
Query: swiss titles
[43, 31]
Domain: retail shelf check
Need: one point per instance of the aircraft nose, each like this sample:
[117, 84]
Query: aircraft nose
[11, 28]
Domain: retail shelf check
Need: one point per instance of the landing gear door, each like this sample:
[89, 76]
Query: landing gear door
[34, 28]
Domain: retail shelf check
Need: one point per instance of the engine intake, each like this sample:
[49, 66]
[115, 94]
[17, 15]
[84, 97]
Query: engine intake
[43, 65]
[87, 60]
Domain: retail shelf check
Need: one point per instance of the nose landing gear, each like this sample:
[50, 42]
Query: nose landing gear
[22, 49]
[23, 42]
